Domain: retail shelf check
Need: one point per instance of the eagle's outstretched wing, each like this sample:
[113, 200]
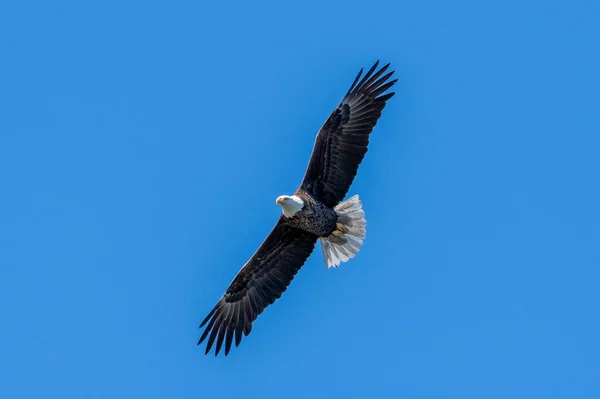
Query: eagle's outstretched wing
[258, 284]
[342, 141]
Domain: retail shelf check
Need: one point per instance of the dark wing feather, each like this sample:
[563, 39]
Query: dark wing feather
[342, 141]
[258, 284]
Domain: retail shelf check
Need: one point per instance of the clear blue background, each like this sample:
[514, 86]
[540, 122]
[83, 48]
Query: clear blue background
[143, 144]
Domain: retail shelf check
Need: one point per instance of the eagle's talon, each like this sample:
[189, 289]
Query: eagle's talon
[337, 233]
[340, 227]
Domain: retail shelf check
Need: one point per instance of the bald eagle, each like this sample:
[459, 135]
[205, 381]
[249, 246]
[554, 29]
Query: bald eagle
[315, 212]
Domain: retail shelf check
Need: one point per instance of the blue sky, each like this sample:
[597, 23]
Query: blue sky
[142, 146]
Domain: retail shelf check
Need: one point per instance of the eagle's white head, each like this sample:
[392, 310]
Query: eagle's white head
[291, 204]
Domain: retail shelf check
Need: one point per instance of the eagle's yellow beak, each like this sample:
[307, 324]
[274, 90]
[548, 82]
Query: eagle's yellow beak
[279, 200]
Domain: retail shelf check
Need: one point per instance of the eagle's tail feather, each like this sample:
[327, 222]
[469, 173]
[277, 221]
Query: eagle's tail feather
[347, 241]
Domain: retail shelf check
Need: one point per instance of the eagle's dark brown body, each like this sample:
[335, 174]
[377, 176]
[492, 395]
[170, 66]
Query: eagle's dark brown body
[315, 217]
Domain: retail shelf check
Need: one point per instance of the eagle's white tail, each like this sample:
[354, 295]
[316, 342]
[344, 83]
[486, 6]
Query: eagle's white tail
[346, 241]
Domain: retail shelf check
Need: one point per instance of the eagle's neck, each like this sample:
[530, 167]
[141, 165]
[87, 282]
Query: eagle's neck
[292, 205]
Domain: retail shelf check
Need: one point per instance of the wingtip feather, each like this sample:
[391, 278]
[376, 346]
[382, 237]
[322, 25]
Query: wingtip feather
[383, 88]
[355, 80]
[367, 75]
[207, 318]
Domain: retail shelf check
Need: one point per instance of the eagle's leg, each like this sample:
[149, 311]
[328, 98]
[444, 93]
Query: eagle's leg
[340, 230]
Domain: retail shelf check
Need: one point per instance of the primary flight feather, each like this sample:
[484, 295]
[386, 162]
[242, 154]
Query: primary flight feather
[315, 212]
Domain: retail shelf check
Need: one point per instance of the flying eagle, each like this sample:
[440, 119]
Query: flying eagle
[315, 212]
